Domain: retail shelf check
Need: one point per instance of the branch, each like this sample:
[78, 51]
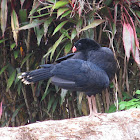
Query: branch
[123, 125]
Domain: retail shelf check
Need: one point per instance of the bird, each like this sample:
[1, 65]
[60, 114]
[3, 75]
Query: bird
[89, 69]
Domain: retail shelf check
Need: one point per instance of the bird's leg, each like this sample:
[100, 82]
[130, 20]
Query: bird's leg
[94, 110]
[90, 104]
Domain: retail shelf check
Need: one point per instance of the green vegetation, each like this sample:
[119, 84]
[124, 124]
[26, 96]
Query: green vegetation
[36, 32]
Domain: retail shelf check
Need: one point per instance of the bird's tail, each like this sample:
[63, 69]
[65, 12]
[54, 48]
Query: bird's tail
[36, 75]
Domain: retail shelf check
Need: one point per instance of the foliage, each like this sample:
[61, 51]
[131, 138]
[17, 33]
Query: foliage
[133, 103]
[128, 102]
[36, 28]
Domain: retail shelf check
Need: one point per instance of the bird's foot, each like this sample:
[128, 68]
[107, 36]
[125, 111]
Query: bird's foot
[97, 115]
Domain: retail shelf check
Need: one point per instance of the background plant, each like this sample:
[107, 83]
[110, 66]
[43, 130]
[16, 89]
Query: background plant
[38, 31]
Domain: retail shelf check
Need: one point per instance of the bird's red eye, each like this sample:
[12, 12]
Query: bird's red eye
[74, 49]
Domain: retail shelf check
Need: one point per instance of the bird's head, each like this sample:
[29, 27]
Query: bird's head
[85, 44]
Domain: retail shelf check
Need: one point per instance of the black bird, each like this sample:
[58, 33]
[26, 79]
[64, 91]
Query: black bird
[89, 69]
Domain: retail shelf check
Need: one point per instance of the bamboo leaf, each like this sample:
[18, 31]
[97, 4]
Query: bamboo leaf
[42, 15]
[13, 45]
[78, 25]
[59, 26]
[34, 8]
[23, 15]
[43, 8]
[61, 11]
[16, 111]
[25, 59]
[11, 79]
[46, 24]
[68, 47]
[93, 24]
[47, 54]
[4, 11]
[39, 33]
[54, 105]
[34, 23]
[63, 95]
[73, 34]
[16, 54]
[14, 25]
[55, 45]
[65, 14]
[59, 4]
[3, 69]
[2, 40]
[46, 90]
[50, 103]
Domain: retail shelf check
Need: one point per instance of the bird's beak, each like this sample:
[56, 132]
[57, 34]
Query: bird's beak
[74, 49]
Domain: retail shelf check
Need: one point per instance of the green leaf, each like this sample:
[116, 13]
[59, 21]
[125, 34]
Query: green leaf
[3, 69]
[65, 32]
[11, 79]
[13, 45]
[34, 23]
[73, 34]
[43, 8]
[34, 8]
[23, 15]
[3, 40]
[63, 95]
[19, 88]
[16, 111]
[59, 26]
[55, 45]
[61, 49]
[39, 33]
[42, 15]
[50, 103]
[48, 53]
[18, 73]
[126, 96]
[25, 59]
[114, 29]
[68, 47]
[138, 92]
[61, 11]
[93, 24]
[112, 108]
[46, 24]
[46, 90]
[65, 14]
[60, 4]
[54, 105]
[111, 85]
[79, 24]
[132, 102]
[122, 105]
[16, 54]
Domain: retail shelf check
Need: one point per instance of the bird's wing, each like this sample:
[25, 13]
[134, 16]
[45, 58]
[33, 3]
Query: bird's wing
[65, 57]
[78, 74]
[77, 55]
